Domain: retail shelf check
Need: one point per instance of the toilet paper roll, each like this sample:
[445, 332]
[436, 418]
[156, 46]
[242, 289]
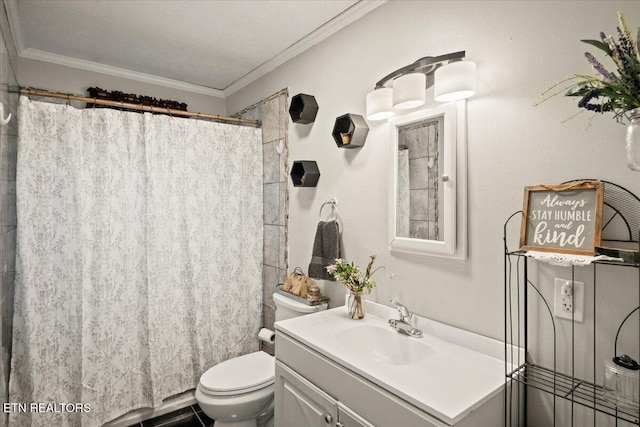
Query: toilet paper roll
[267, 335]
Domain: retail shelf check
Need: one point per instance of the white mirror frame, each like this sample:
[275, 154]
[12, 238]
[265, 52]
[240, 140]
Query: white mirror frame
[454, 242]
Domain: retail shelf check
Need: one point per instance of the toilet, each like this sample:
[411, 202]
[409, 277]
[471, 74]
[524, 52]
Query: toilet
[239, 392]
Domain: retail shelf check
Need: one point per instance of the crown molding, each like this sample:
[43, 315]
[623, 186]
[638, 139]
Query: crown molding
[347, 17]
[118, 72]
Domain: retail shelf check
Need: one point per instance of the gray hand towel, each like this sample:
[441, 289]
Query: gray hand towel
[326, 248]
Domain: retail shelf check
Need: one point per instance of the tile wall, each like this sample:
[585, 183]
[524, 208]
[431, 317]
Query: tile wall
[422, 142]
[273, 112]
[8, 159]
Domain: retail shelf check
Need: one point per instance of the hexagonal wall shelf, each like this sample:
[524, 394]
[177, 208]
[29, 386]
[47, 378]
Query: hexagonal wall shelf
[303, 108]
[305, 173]
[350, 131]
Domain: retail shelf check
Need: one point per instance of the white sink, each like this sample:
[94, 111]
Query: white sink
[447, 373]
[383, 345]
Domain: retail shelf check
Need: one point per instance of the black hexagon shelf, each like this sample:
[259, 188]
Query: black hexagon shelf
[303, 108]
[350, 131]
[305, 173]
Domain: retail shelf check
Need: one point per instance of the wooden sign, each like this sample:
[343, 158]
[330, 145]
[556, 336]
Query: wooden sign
[562, 218]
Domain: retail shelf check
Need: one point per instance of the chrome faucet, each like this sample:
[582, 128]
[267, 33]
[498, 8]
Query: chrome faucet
[404, 325]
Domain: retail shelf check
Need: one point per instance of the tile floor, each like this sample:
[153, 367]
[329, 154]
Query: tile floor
[191, 416]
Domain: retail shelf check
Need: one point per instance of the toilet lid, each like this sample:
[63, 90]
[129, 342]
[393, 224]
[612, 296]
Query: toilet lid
[241, 374]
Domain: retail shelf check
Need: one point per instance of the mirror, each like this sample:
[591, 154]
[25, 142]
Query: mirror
[427, 190]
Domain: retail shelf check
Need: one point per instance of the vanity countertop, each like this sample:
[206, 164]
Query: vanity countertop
[447, 373]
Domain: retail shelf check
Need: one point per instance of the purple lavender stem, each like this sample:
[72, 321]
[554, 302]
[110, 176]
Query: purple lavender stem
[607, 76]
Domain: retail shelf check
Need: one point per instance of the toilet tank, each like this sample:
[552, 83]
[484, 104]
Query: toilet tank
[286, 308]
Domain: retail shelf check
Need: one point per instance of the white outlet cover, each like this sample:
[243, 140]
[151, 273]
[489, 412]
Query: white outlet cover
[578, 301]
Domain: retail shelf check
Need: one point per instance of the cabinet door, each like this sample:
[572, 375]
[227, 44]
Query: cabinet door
[348, 418]
[300, 403]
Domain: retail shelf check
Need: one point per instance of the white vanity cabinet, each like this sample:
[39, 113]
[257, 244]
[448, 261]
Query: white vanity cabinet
[332, 371]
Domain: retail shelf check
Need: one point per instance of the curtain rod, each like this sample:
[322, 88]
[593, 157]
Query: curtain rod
[149, 108]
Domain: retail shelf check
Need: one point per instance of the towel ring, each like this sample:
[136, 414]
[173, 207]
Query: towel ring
[334, 207]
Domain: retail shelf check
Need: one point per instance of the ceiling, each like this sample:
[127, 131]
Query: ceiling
[214, 47]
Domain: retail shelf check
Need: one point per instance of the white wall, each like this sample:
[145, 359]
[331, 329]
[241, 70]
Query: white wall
[521, 48]
[60, 78]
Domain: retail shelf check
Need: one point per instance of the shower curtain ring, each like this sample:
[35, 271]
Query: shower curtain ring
[68, 99]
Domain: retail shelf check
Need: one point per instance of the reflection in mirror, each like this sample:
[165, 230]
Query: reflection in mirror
[427, 185]
[419, 210]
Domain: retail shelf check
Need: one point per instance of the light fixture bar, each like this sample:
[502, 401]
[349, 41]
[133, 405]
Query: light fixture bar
[426, 65]
[455, 81]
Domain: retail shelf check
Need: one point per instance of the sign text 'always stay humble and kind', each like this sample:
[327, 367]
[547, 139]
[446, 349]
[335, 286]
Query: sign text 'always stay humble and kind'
[562, 218]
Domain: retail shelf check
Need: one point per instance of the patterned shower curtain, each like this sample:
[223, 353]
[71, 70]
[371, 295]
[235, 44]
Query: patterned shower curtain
[139, 251]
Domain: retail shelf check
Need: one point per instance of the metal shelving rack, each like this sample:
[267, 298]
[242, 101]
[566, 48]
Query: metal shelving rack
[622, 210]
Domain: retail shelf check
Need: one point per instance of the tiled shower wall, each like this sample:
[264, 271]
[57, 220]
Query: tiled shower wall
[423, 143]
[273, 112]
[8, 159]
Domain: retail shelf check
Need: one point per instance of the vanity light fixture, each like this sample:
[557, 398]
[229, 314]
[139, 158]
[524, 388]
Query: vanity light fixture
[454, 79]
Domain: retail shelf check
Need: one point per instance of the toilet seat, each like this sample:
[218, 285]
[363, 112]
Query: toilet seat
[243, 374]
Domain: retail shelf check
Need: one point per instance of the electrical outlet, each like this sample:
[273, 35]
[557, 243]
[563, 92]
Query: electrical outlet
[569, 300]
[566, 297]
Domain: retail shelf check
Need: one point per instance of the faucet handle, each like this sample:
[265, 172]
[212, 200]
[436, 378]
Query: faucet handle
[403, 311]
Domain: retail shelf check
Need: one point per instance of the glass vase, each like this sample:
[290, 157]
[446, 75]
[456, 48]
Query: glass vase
[633, 140]
[355, 305]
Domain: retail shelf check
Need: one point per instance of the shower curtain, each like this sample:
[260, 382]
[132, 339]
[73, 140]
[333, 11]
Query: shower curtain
[139, 252]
